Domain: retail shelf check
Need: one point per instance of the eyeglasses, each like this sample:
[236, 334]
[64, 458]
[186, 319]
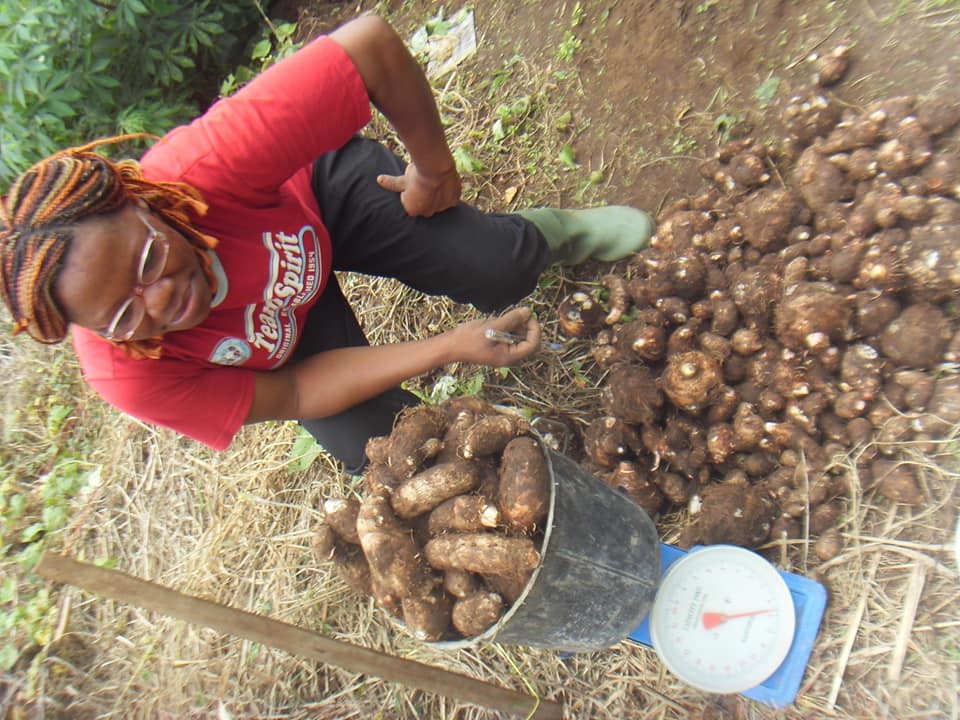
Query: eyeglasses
[153, 261]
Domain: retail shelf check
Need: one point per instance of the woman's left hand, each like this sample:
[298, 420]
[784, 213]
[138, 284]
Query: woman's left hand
[474, 346]
[424, 195]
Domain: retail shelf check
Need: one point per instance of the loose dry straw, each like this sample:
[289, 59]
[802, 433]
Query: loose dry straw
[853, 627]
[910, 602]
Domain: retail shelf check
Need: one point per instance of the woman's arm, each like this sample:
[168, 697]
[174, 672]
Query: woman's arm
[333, 381]
[398, 88]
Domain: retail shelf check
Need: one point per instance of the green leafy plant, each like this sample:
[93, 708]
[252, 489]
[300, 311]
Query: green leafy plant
[510, 117]
[448, 386]
[74, 70]
[568, 46]
[568, 157]
[726, 124]
[580, 378]
[682, 143]
[571, 43]
[305, 451]
[564, 122]
[579, 15]
[467, 162]
[34, 511]
[275, 42]
[767, 91]
[502, 76]
[592, 181]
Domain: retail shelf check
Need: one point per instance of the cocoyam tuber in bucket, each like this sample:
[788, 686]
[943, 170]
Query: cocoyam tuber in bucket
[598, 573]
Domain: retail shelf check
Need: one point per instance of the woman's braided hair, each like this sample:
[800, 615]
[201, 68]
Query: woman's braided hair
[38, 214]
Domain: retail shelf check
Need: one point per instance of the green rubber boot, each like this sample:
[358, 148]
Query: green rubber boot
[603, 233]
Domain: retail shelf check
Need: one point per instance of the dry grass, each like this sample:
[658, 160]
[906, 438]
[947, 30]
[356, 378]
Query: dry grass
[235, 527]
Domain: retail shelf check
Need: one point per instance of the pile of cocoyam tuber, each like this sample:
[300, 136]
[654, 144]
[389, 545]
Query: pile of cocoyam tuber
[802, 305]
[449, 530]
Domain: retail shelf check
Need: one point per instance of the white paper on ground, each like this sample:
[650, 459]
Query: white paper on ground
[447, 49]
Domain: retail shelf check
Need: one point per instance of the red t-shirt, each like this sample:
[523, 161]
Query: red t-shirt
[251, 157]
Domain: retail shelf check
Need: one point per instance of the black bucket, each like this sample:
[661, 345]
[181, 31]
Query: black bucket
[598, 573]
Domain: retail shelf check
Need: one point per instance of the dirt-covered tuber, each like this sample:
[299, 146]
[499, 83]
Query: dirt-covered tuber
[731, 513]
[430, 487]
[524, 493]
[482, 553]
[473, 615]
[691, 380]
[491, 433]
[415, 437]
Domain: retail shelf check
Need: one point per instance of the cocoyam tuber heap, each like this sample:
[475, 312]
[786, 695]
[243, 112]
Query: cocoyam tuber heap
[449, 531]
[801, 305]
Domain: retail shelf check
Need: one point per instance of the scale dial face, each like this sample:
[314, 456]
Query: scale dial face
[723, 619]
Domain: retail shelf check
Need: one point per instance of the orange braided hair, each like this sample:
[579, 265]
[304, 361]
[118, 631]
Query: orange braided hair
[36, 226]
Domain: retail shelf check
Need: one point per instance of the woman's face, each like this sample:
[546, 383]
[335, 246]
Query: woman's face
[104, 264]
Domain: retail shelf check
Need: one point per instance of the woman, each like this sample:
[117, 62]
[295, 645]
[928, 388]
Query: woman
[198, 281]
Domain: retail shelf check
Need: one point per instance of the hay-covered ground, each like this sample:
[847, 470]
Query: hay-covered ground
[236, 527]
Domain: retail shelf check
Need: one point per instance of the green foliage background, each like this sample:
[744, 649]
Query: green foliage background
[75, 70]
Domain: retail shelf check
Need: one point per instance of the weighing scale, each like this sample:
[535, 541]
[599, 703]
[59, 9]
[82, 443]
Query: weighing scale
[725, 620]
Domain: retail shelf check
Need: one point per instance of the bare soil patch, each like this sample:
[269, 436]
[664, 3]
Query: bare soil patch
[659, 85]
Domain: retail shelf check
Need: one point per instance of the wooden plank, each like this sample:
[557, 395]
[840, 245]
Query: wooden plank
[124, 588]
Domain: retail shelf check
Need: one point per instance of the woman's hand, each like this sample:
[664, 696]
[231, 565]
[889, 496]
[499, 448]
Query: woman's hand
[424, 195]
[398, 88]
[474, 346]
[332, 381]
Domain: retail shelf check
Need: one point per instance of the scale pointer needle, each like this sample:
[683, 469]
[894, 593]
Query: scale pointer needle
[715, 619]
